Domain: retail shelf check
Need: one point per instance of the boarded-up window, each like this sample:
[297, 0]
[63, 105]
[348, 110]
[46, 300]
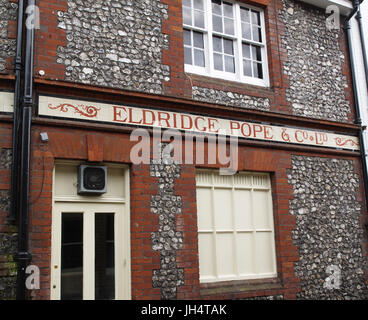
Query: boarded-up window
[235, 226]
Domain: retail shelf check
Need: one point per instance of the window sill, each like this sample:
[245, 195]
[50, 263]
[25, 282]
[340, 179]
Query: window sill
[239, 286]
[201, 80]
[253, 82]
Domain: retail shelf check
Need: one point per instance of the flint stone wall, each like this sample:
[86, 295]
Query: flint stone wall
[167, 240]
[115, 43]
[328, 230]
[8, 11]
[229, 98]
[314, 66]
[8, 239]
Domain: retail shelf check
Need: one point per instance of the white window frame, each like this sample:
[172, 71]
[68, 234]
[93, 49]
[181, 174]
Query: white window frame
[207, 181]
[208, 32]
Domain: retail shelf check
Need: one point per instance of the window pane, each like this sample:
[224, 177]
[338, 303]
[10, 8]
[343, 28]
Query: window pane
[256, 19]
[243, 210]
[187, 55]
[246, 50]
[222, 207]
[198, 40]
[228, 10]
[204, 209]
[257, 70]
[104, 257]
[217, 23]
[256, 53]
[229, 26]
[244, 14]
[228, 47]
[260, 204]
[229, 64]
[245, 253]
[72, 256]
[187, 3]
[247, 68]
[225, 254]
[246, 31]
[217, 44]
[218, 61]
[199, 19]
[199, 58]
[207, 260]
[198, 4]
[216, 7]
[265, 258]
[187, 38]
[257, 35]
[187, 16]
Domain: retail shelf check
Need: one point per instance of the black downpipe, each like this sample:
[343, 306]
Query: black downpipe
[24, 257]
[356, 4]
[16, 122]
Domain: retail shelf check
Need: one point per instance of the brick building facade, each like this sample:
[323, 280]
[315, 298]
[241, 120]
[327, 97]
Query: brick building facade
[101, 54]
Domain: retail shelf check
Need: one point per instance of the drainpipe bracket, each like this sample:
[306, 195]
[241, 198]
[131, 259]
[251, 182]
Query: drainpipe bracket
[23, 256]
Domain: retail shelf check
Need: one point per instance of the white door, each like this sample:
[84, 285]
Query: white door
[89, 258]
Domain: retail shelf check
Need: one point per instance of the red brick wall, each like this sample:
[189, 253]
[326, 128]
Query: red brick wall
[143, 258]
[186, 222]
[79, 145]
[179, 84]
[73, 144]
[48, 38]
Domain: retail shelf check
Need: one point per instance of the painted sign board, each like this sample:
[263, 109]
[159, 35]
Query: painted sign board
[144, 117]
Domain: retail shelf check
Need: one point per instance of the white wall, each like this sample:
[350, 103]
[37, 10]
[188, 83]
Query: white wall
[359, 67]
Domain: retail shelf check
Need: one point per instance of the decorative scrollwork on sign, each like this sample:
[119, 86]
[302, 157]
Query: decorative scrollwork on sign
[342, 142]
[86, 111]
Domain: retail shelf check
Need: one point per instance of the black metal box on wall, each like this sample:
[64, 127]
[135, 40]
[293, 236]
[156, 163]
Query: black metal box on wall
[92, 180]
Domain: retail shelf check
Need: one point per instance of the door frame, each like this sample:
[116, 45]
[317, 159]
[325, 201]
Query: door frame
[122, 291]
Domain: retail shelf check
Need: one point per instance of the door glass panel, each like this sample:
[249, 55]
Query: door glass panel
[72, 256]
[104, 257]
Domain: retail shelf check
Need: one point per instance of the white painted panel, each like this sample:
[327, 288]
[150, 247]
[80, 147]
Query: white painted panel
[222, 207]
[243, 180]
[66, 180]
[265, 253]
[242, 209]
[206, 255]
[66, 183]
[204, 178]
[245, 253]
[6, 101]
[204, 209]
[115, 185]
[89, 254]
[261, 210]
[222, 180]
[242, 244]
[261, 181]
[225, 255]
